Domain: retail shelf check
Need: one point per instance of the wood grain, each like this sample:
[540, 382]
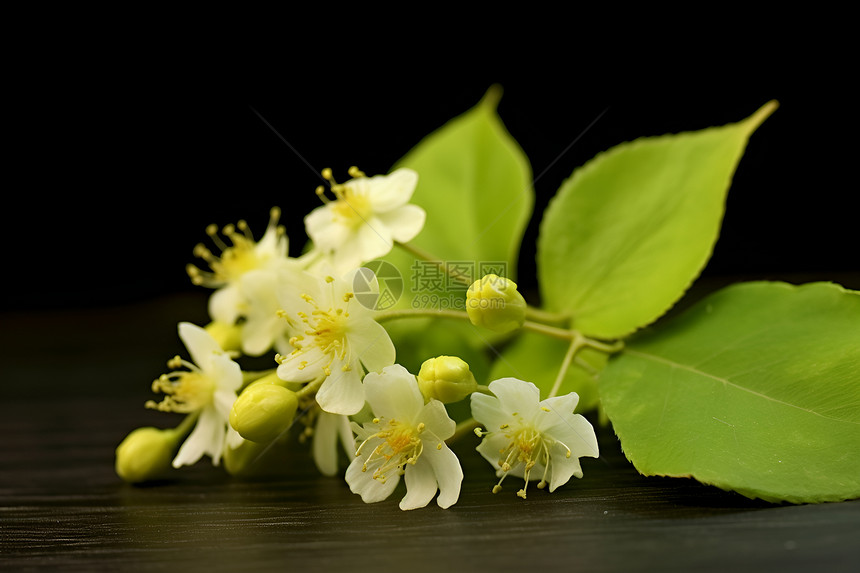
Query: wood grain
[75, 382]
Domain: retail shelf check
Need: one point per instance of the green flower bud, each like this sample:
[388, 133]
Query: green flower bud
[447, 379]
[263, 411]
[145, 454]
[495, 303]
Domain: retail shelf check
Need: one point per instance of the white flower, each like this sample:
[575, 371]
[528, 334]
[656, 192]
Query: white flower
[264, 328]
[407, 437]
[336, 339]
[228, 303]
[207, 388]
[367, 216]
[529, 438]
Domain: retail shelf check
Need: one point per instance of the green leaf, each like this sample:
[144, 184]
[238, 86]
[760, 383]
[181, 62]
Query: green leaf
[537, 358]
[475, 183]
[629, 231]
[754, 389]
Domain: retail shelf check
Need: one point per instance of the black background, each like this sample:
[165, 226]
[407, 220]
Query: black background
[126, 157]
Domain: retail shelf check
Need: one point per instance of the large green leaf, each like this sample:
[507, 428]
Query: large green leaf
[475, 183]
[754, 389]
[629, 231]
[537, 358]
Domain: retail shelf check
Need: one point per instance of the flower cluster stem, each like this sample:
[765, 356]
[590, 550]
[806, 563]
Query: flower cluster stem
[383, 315]
[551, 331]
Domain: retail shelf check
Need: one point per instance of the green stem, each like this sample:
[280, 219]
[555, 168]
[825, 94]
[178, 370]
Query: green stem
[607, 347]
[311, 387]
[186, 425]
[545, 317]
[544, 329]
[551, 331]
[384, 315]
[578, 342]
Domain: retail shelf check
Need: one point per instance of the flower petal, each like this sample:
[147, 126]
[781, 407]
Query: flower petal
[199, 343]
[491, 447]
[404, 223]
[371, 344]
[564, 405]
[394, 394]
[206, 438]
[342, 392]
[260, 334]
[420, 485]
[516, 396]
[562, 467]
[225, 304]
[273, 243]
[302, 366]
[325, 438]
[437, 423]
[448, 473]
[325, 229]
[263, 325]
[362, 482]
[576, 433]
[387, 192]
[226, 373]
[487, 410]
[373, 240]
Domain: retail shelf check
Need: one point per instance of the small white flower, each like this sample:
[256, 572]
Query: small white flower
[367, 216]
[407, 437]
[529, 438]
[207, 388]
[263, 328]
[336, 339]
[228, 303]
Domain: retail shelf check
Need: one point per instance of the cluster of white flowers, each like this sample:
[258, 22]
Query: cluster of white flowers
[335, 373]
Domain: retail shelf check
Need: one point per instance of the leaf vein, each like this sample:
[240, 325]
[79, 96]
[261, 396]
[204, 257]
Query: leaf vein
[727, 382]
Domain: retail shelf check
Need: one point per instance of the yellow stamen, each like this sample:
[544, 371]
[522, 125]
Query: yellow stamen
[236, 259]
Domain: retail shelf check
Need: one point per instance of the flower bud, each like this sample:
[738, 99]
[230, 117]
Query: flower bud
[495, 303]
[145, 454]
[263, 411]
[447, 379]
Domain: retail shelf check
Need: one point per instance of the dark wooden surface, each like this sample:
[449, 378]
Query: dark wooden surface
[74, 384]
